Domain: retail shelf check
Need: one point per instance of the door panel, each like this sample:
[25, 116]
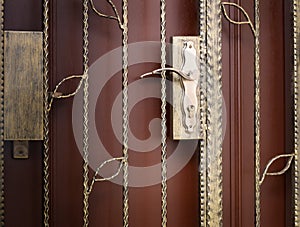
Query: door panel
[104, 36]
[23, 178]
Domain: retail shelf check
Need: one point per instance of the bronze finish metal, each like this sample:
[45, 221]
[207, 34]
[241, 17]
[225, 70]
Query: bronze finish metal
[296, 49]
[23, 88]
[20, 150]
[2, 209]
[214, 114]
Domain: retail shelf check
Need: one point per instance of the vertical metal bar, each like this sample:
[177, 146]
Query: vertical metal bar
[2, 114]
[125, 114]
[203, 71]
[85, 116]
[214, 114]
[296, 75]
[163, 113]
[46, 113]
[257, 115]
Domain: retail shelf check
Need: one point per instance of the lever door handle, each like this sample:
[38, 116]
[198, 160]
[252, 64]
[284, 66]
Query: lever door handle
[186, 87]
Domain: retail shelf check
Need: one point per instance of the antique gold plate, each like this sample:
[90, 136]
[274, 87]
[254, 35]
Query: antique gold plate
[23, 88]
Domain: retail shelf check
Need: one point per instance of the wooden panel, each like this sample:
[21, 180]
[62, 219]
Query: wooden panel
[25, 209]
[23, 88]
[238, 93]
[106, 198]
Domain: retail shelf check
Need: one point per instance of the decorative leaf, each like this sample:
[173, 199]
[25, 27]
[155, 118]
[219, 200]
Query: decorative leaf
[62, 96]
[96, 179]
[243, 11]
[59, 95]
[287, 166]
[116, 17]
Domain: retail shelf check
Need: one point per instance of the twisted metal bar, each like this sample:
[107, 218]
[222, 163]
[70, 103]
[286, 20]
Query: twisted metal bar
[214, 114]
[124, 27]
[163, 114]
[203, 71]
[257, 115]
[46, 154]
[125, 114]
[85, 116]
[296, 11]
[2, 210]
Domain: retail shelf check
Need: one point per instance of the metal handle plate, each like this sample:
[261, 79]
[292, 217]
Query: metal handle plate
[186, 92]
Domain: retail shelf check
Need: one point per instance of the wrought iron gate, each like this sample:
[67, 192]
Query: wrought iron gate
[211, 14]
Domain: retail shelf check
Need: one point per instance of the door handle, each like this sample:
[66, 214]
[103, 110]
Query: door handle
[187, 123]
[190, 87]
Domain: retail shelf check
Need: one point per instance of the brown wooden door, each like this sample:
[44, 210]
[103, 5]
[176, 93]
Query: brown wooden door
[23, 178]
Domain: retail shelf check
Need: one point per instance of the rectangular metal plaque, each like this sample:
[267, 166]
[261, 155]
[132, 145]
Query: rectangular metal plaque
[23, 86]
[186, 93]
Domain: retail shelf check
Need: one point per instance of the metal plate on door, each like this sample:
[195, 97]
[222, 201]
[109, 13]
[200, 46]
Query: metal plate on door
[23, 87]
[186, 90]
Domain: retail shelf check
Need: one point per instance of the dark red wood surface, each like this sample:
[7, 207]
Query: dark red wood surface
[23, 179]
[238, 90]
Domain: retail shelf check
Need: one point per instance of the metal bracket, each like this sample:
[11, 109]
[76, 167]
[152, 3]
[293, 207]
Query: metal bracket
[20, 149]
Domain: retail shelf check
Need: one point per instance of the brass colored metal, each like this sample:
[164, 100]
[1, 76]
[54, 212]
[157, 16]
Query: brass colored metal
[2, 162]
[87, 189]
[20, 150]
[257, 111]
[296, 75]
[96, 179]
[163, 98]
[85, 115]
[186, 93]
[125, 112]
[46, 147]
[214, 115]
[242, 10]
[59, 95]
[203, 142]
[278, 173]
[23, 88]
[116, 17]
